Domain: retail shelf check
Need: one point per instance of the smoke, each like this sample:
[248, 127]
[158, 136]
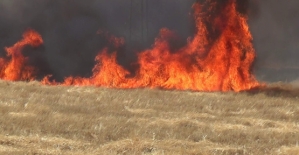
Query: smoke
[275, 33]
[274, 26]
[69, 29]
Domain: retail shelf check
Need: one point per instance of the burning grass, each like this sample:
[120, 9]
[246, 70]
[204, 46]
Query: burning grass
[38, 119]
[218, 57]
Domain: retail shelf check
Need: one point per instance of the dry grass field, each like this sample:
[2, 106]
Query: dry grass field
[37, 119]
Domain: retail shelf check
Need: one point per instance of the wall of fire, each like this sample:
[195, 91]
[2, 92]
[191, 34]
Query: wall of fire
[69, 29]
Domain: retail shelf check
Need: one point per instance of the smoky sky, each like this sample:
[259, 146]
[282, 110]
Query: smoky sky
[276, 36]
[69, 29]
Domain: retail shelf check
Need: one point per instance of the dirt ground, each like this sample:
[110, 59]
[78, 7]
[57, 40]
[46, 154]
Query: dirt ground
[37, 119]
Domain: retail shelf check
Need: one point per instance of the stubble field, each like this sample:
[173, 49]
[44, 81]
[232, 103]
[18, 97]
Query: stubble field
[37, 119]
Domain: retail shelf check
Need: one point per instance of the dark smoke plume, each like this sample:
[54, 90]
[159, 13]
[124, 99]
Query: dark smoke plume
[69, 29]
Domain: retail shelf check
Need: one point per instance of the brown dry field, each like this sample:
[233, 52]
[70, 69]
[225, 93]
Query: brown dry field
[37, 119]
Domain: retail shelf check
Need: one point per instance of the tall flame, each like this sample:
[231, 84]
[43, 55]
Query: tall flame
[15, 67]
[218, 58]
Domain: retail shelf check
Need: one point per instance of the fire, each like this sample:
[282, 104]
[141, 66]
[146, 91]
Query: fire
[15, 67]
[218, 57]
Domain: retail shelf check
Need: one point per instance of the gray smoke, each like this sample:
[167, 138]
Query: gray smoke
[71, 43]
[69, 29]
[276, 37]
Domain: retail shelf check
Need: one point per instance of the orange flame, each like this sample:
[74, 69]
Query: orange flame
[15, 66]
[204, 64]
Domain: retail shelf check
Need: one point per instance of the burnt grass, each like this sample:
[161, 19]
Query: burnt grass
[38, 119]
